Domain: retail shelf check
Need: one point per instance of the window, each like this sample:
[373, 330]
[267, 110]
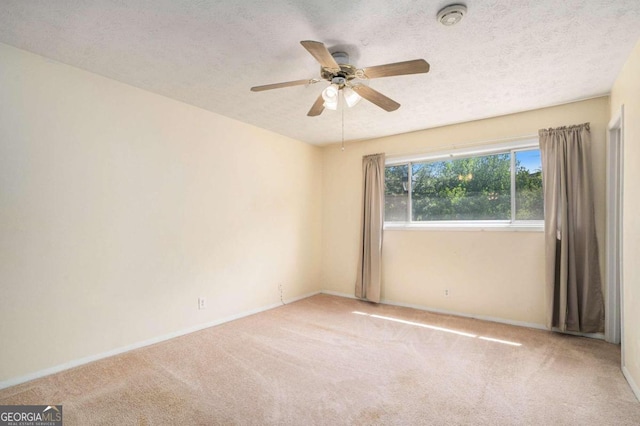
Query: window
[499, 186]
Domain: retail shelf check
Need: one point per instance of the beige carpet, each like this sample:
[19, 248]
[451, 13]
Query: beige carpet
[319, 362]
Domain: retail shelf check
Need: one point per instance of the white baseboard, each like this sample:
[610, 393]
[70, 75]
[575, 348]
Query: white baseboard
[445, 312]
[137, 345]
[337, 293]
[599, 336]
[632, 383]
[148, 342]
[465, 315]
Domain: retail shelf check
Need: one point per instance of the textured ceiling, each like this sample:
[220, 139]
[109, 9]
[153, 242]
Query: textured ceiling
[505, 56]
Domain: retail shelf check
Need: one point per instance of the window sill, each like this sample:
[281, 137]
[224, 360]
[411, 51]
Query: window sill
[465, 226]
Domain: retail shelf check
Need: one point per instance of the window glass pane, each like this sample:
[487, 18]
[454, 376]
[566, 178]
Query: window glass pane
[476, 188]
[529, 201]
[396, 195]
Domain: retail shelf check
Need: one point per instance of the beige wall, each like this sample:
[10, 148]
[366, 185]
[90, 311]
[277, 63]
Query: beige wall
[626, 91]
[490, 273]
[119, 208]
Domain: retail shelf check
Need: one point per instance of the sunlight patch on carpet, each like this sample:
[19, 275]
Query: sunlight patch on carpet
[433, 327]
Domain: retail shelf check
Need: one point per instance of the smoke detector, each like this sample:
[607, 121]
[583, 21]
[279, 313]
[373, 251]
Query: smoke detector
[452, 14]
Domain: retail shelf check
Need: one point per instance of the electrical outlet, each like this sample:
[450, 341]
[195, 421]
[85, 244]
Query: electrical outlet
[202, 303]
[446, 292]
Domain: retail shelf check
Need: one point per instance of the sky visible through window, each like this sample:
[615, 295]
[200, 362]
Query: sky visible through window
[530, 159]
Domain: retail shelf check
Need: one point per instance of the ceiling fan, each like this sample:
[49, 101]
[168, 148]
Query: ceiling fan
[342, 76]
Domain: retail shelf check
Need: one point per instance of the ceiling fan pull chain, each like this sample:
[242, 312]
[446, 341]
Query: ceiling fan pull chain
[342, 108]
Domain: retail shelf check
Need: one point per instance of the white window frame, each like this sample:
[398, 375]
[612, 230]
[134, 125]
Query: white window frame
[510, 147]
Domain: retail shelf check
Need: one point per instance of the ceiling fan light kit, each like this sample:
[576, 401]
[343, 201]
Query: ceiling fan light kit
[330, 94]
[335, 68]
[350, 97]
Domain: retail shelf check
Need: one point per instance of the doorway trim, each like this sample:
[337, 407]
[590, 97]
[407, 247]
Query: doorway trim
[614, 312]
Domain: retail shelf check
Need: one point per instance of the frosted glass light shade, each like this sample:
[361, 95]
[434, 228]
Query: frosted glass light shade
[331, 105]
[330, 94]
[350, 96]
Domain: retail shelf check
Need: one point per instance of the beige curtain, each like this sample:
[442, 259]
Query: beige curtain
[370, 246]
[574, 289]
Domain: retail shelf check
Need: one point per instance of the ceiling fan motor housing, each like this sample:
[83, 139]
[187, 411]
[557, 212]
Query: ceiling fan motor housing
[347, 72]
[342, 58]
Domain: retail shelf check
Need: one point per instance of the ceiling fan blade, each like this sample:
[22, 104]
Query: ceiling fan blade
[322, 54]
[317, 107]
[416, 66]
[376, 97]
[279, 85]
